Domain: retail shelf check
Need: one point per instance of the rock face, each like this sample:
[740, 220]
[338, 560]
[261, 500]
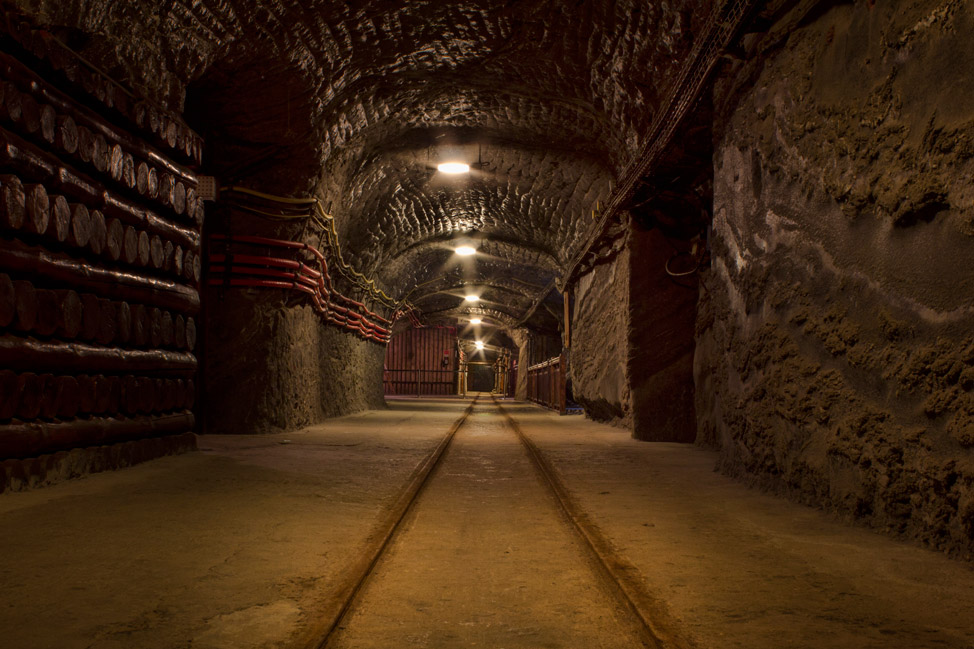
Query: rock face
[270, 363]
[835, 356]
[280, 369]
[520, 338]
[600, 342]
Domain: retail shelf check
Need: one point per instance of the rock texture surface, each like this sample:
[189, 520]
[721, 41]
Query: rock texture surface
[835, 355]
[599, 368]
[280, 369]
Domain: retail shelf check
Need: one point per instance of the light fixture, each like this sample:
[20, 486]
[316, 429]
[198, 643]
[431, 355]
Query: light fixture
[475, 321]
[479, 344]
[472, 298]
[465, 251]
[453, 167]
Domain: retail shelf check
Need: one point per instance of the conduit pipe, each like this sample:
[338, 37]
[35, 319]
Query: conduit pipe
[302, 278]
[295, 245]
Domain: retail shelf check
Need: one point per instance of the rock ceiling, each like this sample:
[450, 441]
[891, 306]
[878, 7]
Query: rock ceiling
[357, 102]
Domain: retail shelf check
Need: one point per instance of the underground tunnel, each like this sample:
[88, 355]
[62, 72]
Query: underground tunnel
[511, 323]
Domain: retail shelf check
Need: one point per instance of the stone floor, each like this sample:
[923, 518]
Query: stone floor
[238, 545]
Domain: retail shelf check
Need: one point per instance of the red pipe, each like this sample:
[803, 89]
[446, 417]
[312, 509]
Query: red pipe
[284, 243]
[305, 284]
[266, 261]
[362, 326]
[266, 272]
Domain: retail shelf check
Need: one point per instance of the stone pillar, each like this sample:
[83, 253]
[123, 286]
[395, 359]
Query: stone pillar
[600, 341]
[521, 339]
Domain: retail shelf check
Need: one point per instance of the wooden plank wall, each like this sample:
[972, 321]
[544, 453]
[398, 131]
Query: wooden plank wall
[415, 362]
[99, 259]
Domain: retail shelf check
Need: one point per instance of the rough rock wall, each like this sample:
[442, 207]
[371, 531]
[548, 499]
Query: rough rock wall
[661, 340]
[520, 337]
[154, 51]
[279, 369]
[600, 342]
[270, 363]
[835, 356]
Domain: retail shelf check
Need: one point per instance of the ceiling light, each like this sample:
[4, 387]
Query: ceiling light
[453, 167]
[476, 321]
[465, 251]
[479, 344]
[472, 298]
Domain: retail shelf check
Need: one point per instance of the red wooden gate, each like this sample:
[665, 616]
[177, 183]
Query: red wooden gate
[422, 362]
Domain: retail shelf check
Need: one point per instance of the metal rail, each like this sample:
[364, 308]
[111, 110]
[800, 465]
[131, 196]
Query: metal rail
[339, 603]
[647, 613]
[618, 574]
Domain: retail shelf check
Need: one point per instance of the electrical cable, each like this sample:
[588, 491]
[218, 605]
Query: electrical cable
[265, 271]
[669, 272]
[283, 243]
[327, 223]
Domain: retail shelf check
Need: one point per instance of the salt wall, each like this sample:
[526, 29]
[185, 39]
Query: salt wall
[270, 363]
[835, 357]
[99, 267]
[600, 343]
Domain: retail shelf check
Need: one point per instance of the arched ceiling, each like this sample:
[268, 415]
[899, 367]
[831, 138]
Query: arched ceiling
[358, 101]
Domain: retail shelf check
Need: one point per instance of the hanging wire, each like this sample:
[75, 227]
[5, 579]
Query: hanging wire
[311, 208]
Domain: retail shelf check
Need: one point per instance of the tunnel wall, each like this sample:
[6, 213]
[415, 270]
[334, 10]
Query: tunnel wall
[835, 357]
[600, 342]
[270, 363]
[277, 368]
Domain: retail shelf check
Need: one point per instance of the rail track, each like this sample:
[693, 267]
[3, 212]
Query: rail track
[644, 614]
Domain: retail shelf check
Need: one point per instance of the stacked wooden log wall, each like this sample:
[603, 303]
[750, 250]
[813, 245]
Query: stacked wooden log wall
[99, 267]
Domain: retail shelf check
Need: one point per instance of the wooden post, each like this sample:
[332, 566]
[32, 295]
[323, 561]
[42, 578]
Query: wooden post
[567, 299]
[562, 396]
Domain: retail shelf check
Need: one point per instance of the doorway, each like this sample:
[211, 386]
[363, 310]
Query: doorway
[481, 378]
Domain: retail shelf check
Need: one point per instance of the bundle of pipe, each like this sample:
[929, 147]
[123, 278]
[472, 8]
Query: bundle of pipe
[263, 271]
[281, 208]
[409, 312]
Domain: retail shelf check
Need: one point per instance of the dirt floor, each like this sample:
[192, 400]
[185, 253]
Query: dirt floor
[485, 560]
[237, 546]
[740, 568]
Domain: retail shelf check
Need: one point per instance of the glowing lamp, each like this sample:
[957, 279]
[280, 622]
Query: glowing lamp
[479, 344]
[453, 167]
[472, 298]
[465, 251]
[476, 321]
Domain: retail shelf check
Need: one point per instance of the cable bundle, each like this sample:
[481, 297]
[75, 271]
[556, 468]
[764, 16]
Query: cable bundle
[259, 203]
[266, 271]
